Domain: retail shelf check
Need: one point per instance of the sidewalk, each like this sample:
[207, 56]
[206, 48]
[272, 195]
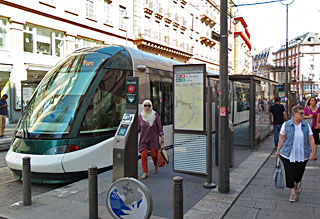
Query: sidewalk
[71, 201]
[261, 200]
[8, 134]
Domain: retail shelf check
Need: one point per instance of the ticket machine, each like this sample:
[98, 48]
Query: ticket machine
[125, 148]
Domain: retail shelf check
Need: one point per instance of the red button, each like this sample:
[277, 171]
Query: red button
[131, 89]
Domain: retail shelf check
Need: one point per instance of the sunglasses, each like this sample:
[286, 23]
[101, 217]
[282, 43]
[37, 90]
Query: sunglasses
[147, 105]
[301, 113]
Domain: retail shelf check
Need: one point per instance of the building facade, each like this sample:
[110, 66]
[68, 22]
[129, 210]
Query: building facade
[242, 47]
[36, 34]
[304, 59]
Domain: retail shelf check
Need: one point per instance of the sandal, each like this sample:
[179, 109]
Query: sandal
[156, 170]
[144, 176]
[292, 198]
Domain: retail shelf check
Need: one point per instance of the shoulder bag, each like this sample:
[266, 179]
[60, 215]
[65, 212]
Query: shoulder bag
[163, 158]
[278, 175]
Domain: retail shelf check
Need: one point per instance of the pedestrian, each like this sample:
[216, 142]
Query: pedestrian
[296, 146]
[312, 111]
[3, 113]
[277, 116]
[303, 102]
[150, 129]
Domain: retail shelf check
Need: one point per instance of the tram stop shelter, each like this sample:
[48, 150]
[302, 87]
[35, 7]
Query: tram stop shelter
[250, 98]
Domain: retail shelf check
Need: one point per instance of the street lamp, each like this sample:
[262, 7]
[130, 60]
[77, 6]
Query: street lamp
[287, 88]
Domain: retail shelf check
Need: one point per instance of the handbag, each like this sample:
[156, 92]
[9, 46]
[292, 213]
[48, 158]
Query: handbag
[278, 175]
[163, 158]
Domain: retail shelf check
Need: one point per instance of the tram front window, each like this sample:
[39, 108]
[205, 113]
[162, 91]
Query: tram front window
[107, 106]
[53, 106]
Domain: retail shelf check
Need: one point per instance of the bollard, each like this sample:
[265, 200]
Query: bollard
[177, 197]
[26, 181]
[93, 192]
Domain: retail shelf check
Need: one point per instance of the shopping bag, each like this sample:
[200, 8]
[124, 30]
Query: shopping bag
[278, 176]
[7, 121]
[163, 158]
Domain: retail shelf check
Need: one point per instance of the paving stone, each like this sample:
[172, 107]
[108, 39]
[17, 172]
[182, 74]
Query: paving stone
[264, 205]
[267, 214]
[245, 204]
[294, 207]
[201, 214]
[215, 207]
[241, 213]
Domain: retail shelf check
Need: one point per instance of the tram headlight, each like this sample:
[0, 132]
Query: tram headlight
[62, 149]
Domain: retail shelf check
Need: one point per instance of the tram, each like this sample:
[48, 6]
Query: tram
[71, 119]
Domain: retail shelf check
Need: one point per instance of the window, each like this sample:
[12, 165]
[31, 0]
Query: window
[3, 32]
[107, 105]
[108, 12]
[43, 41]
[122, 18]
[90, 13]
[82, 42]
[161, 94]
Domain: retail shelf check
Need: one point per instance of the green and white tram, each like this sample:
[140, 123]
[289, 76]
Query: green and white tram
[71, 118]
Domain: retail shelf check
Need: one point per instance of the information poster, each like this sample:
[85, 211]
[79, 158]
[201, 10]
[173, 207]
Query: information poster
[189, 97]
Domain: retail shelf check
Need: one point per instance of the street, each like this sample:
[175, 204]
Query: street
[11, 188]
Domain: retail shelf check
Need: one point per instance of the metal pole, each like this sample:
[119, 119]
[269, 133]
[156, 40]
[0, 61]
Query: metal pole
[209, 184]
[177, 197]
[93, 192]
[224, 150]
[26, 181]
[287, 63]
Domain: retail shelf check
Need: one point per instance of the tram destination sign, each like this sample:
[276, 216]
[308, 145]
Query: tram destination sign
[189, 108]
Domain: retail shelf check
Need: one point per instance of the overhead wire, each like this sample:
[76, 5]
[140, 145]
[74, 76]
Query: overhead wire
[257, 3]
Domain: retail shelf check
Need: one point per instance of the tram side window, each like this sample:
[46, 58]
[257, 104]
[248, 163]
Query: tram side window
[107, 105]
[242, 97]
[167, 100]
[156, 97]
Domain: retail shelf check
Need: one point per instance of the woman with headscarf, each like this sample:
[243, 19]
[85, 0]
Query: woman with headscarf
[150, 129]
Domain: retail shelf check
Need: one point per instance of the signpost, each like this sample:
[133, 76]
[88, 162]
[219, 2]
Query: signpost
[189, 119]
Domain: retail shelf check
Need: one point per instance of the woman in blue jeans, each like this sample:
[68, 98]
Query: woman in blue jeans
[296, 146]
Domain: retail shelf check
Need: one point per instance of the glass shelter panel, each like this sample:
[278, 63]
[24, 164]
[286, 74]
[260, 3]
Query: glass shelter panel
[241, 113]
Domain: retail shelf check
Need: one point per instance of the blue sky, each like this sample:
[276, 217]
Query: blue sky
[267, 22]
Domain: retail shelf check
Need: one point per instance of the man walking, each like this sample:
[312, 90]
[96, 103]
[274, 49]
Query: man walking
[303, 102]
[3, 113]
[277, 116]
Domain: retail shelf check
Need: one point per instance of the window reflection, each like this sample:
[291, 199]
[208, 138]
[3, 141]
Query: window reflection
[53, 106]
[108, 104]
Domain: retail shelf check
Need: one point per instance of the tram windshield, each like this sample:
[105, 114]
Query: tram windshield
[52, 108]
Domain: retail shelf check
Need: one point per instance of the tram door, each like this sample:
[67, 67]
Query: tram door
[161, 97]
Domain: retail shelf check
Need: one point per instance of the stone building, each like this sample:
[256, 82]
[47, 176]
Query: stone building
[304, 59]
[36, 34]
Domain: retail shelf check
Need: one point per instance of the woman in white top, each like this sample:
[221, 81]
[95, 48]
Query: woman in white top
[296, 146]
